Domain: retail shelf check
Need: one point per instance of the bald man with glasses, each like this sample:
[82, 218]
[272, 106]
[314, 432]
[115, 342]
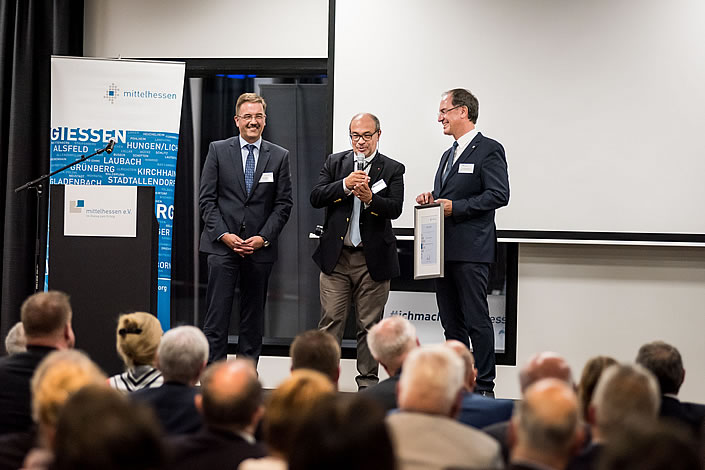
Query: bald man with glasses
[362, 192]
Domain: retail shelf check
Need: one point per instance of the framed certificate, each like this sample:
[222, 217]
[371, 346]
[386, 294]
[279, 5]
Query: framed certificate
[428, 241]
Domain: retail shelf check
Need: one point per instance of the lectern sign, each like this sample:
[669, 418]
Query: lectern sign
[100, 211]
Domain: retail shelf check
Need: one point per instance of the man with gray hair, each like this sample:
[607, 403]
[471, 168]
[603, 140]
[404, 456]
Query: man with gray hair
[546, 427]
[624, 394]
[390, 341]
[425, 432]
[15, 341]
[46, 317]
[666, 363]
[181, 357]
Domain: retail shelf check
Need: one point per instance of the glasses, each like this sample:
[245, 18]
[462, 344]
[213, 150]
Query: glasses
[249, 117]
[367, 136]
[443, 112]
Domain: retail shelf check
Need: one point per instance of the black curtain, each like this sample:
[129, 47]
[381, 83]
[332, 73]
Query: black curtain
[30, 32]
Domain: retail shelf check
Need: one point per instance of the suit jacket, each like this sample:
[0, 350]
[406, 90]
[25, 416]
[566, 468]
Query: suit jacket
[691, 415]
[174, 406]
[470, 233]
[428, 442]
[384, 392]
[478, 411]
[15, 374]
[210, 448]
[379, 242]
[226, 207]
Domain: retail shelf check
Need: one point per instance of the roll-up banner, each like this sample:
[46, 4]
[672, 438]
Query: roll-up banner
[137, 104]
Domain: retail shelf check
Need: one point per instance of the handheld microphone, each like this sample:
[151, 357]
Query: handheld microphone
[109, 148]
[359, 162]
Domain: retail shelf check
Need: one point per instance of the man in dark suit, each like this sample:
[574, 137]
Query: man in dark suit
[46, 317]
[390, 341]
[666, 363]
[245, 200]
[362, 191]
[471, 183]
[181, 357]
[231, 405]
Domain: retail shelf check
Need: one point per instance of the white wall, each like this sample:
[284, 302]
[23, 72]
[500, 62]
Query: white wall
[206, 28]
[577, 300]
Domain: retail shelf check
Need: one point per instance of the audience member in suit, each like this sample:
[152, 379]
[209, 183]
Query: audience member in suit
[138, 335]
[624, 394]
[316, 350]
[58, 376]
[665, 362]
[289, 406]
[477, 410]
[15, 341]
[390, 341]
[545, 429]
[542, 365]
[471, 182]
[362, 192]
[99, 429]
[343, 433]
[425, 431]
[245, 201]
[231, 404]
[182, 355]
[588, 381]
[46, 317]
[653, 446]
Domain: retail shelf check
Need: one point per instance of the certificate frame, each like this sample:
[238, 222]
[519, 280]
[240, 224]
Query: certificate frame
[428, 241]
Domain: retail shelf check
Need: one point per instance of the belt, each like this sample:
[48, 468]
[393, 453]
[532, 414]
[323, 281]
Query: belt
[353, 248]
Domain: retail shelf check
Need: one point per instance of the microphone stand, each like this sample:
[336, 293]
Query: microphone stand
[39, 190]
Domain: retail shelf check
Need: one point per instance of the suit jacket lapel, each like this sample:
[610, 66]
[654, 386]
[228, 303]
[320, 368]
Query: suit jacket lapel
[261, 165]
[463, 156]
[237, 161]
[439, 174]
[376, 168]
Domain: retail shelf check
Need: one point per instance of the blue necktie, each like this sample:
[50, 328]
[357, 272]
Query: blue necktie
[250, 168]
[355, 238]
[449, 165]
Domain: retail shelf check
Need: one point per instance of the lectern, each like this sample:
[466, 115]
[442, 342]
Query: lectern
[104, 256]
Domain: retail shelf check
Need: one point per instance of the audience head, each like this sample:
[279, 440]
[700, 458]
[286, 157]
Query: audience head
[231, 395]
[652, 445]
[15, 341]
[624, 393]
[546, 426]
[316, 350]
[290, 404]
[665, 362]
[431, 381]
[545, 365]
[46, 318]
[343, 433]
[58, 376]
[99, 429]
[391, 340]
[468, 361]
[182, 354]
[138, 336]
[588, 380]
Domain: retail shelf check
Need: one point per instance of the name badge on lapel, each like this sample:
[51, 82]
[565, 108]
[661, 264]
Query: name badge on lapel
[267, 177]
[378, 186]
[466, 168]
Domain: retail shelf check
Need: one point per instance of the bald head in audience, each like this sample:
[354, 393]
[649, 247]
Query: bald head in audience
[624, 393]
[390, 341]
[545, 428]
[231, 396]
[431, 382]
[545, 365]
[468, 362]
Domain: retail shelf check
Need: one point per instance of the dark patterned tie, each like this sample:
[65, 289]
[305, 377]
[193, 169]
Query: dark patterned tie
[449, 165]
[250, 168]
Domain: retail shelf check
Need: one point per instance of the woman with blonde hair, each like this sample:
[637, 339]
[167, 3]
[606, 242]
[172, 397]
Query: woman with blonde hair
[138, 335]
[288, 406]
